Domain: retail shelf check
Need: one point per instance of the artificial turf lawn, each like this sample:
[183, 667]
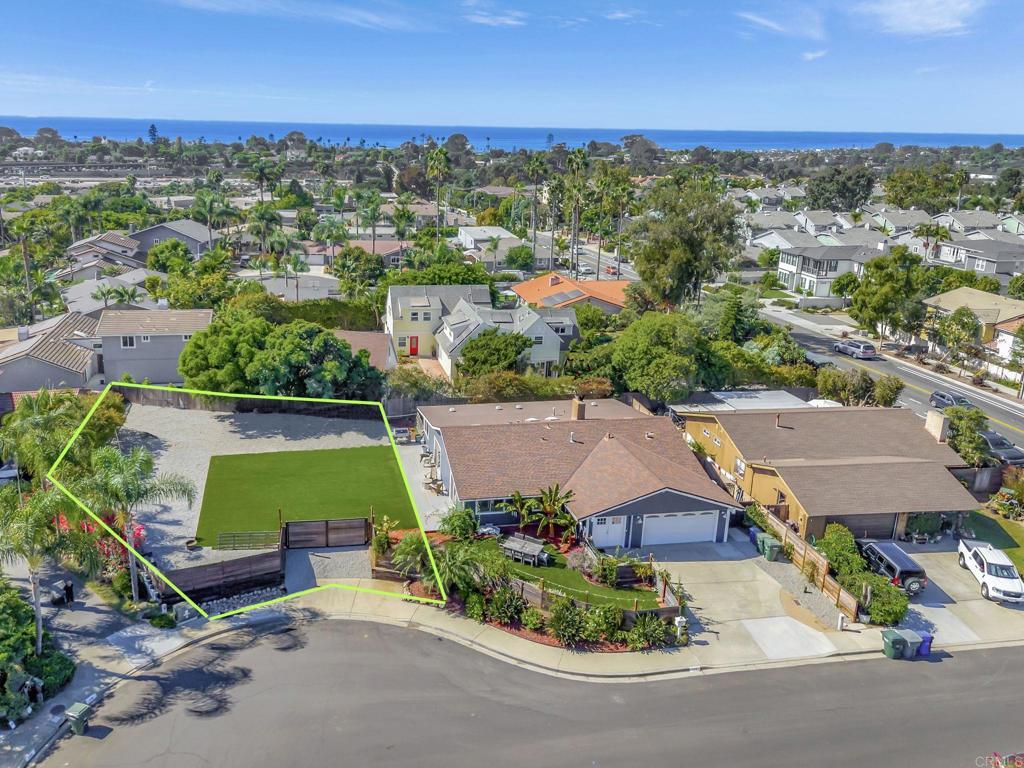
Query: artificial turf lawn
[562, 578]
[244, 491]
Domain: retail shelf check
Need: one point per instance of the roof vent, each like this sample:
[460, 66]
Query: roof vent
[649, 435]
[451, 410]
[572, 437]
[519, 407]
[497, 407]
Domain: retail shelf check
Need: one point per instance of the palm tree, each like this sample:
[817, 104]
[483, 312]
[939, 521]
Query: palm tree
[76, 217]
[552, 508]
[120, 482]
[519, 506]
[296, 265]
[932, 234]
[281, 244]
[372, 202]
[35, 433]
[207, 208]
[492, 248]
[260, 171]
[402, 219]
[439, 165]
[263, 221]
[104, 293]
[561, 245]
[332, 232]
[259, 263]
[576, 189]
[127, 294]
[535, 169]
[31, 530]
[456, 569]
[960, 179]
[410, 555]
[214, 260]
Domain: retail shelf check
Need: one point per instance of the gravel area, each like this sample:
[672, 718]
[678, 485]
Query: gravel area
[306, 568]
[789, 576]
[183, 442]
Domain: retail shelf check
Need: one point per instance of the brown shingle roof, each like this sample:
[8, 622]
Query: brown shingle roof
[814, 434]
[374, 342]
[620, 470]
[116, 322]
[53, 345]
[491, 462]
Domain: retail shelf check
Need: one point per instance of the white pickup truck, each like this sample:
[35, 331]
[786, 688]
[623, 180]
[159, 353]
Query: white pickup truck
[992, 568]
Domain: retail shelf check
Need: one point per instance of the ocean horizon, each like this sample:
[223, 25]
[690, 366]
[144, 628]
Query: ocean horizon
[497, 137]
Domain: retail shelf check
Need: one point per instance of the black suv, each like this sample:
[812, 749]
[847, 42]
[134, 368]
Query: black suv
[888, 559]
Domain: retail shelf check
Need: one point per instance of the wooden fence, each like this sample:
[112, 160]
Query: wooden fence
[228, 577]
[172, 398]
[326, 533]
[815, 566]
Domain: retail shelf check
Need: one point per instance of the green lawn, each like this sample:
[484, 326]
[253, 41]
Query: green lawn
[1004, 534]
[564, 579]
[243, 492]
[775, 293]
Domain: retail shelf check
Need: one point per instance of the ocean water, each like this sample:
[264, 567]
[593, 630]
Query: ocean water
[509, 138]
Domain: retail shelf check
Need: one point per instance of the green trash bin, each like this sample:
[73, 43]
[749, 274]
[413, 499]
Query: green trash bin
[762, 539]
[913, 642]
[772, 548]
[78, 715]
[894, 645]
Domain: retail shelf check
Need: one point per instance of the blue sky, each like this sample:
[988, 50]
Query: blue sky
[887, 65]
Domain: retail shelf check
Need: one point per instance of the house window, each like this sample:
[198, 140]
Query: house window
[601, 521]
[705, 432]
[127, 342]
[716, 441]
[145, 339]
[414, 316]
[741, 467]
[538, 340]
[426, 316]
[184, 337]
[401, 341]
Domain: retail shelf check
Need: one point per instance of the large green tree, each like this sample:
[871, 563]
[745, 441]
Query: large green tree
[688, 235]
[492, 351]
[171, 256]
[840, 189]
[888, 299]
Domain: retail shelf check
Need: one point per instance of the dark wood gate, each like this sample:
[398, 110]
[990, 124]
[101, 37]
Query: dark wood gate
[326, 533]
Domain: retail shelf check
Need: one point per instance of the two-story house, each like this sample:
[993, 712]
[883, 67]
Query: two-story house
[53, 353]
[479, 237]
[962, 221]
[146, 344]
[549, 330]
[816, 222]
[192, 233]
[413, 313]
[893, 220]
[813, 269]
[984, 256]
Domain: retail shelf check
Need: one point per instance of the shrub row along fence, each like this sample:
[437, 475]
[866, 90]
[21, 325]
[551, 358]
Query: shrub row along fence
[225, 578]
[544, 597]
[815, 566]
[182, 400]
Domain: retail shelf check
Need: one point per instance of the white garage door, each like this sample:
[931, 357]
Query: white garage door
[608, 531]
[680, 527]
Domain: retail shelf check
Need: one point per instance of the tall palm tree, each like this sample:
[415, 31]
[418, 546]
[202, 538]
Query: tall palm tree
[207, 209]
[74, 215]
[456, 569]
[296, 265]
[932, 235]
[372, 203]
[439, 165]
[281, 244]
[560, 246]
[260, 171]
[260, 264]
[960, 180]
[576, 189]
[402, 218]
[121, 482]
[492, 248]
[214, 260]
[535, 169]
[552, 508]
[32, 530]
[35, 433]
[520, 506]
[263, 221]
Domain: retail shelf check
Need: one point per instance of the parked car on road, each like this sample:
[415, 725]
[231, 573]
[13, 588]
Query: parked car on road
[859, 349]
[612, 270]
[992, 568]
[888, 559]
[940, 399]
[1001, 449]
[586, 269]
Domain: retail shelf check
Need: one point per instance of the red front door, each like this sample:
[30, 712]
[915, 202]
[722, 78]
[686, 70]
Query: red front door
[414, 345]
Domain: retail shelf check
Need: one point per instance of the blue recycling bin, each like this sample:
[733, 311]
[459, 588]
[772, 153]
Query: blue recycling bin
[752, 533]
[925, 648]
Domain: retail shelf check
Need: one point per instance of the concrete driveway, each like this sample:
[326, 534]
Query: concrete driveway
[952, 608]
[738, 613]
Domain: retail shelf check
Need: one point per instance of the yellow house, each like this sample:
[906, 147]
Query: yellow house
[413, 313]
[989, 309]
[869, 469]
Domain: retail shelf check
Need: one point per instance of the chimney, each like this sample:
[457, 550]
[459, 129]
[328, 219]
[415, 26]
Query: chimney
[578, 410]
[161, 303]
[936, 424]
[22, 333]
[572, 437]
[778, 418]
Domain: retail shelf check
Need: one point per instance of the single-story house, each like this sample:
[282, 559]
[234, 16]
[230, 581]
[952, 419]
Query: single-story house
[634, 481]
[558, 292]
[380, 346]
[989, 309]
[298, 287]
[869, 469]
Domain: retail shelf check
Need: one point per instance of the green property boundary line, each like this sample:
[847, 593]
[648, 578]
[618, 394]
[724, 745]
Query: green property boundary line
[368, 590]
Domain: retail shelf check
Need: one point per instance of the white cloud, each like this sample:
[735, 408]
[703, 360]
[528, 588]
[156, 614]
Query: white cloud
[27, 82]
[922, 17]
[622, 15]
[812, 55]
[497, 19]
[800, 21]
[313, 10]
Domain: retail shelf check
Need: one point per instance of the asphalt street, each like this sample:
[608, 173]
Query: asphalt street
[342, 693]
[1005, 416]
[588, 255]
